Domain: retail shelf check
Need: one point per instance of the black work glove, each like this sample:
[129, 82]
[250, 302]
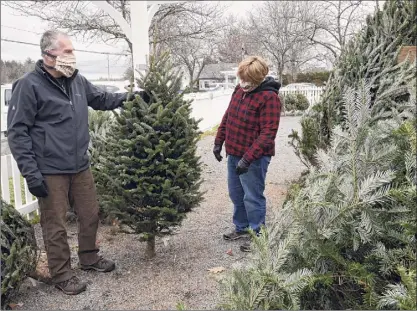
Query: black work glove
[39, 191]
[242, 166]
[216, 150]
[146, 98]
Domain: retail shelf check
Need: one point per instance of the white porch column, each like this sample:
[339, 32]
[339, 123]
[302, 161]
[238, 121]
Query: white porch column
[137, 31]
[140, 38]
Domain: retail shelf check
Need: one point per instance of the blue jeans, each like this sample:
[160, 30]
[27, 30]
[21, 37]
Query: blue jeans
[247, 193]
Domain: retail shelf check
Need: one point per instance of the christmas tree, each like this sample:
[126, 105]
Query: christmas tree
[346, 236]
[346, 239]
[372, 56]
[18, 251]
[148, 175]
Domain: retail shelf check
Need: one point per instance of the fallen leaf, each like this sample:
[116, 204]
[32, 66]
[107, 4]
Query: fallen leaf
[33, 281]
[229, 252]
[217, 269]
[166, 241]
[13, 306]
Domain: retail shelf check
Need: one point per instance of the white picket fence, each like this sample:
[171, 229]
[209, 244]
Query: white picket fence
[24, 202]
[312, 93]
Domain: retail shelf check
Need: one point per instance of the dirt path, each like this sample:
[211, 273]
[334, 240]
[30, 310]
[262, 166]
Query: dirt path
[179, 271]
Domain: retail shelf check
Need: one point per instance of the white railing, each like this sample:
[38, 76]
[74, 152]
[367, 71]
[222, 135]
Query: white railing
[23, 200]
[312, 93]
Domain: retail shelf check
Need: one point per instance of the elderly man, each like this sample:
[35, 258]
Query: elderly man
[48, 136]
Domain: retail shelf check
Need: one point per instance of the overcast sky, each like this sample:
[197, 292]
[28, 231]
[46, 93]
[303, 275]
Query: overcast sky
[93, 66]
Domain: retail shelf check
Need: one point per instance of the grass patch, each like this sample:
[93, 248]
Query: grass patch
[34, 218]
[210, 132]
[11, 190]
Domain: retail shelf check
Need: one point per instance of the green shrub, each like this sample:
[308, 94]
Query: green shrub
[296, 101]
[18, 251]
[317, 78]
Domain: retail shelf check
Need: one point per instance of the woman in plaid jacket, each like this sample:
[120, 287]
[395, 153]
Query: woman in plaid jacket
[248, 129]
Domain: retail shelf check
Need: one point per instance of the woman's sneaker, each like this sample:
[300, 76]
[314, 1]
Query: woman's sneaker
[235, 235]
[246, 247]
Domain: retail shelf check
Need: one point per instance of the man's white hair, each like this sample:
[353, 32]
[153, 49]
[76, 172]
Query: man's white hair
[49, 39]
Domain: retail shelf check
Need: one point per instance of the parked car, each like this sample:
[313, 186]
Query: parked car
[6, 94]
[109, 86]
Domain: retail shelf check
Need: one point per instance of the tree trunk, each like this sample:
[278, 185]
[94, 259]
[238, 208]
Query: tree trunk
[280, 74]
[294, 73]
[150, 247]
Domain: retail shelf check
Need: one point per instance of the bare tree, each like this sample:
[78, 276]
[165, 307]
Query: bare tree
[278, 28]
[191, 38]
[85, 21]
[333, 23]
[193, 55]
[235, 41]
[79, 18]
[194, 19]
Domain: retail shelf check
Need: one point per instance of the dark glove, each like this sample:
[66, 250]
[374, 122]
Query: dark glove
[146, 98]
[39, 191]
[216, 150]
[242, 166]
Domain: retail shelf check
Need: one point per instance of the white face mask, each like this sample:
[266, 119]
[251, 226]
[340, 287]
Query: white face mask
[247, 86]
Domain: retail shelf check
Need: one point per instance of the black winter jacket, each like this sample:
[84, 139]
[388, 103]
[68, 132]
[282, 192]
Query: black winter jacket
[48, 128]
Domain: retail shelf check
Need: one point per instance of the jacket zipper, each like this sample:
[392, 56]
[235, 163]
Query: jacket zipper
[75, 121]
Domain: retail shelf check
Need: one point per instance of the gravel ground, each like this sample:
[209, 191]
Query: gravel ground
[179, 271]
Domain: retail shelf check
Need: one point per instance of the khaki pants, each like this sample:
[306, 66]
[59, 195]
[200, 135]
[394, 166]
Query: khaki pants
[77, 190]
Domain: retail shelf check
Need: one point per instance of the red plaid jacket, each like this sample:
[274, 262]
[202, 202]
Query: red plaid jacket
[250, 123]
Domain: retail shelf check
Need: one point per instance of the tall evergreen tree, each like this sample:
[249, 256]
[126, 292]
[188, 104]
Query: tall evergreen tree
[347, 238]
[148, 174]
[372, 56]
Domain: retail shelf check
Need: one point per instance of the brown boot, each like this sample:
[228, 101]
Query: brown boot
[103, 265]
[73, 286]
